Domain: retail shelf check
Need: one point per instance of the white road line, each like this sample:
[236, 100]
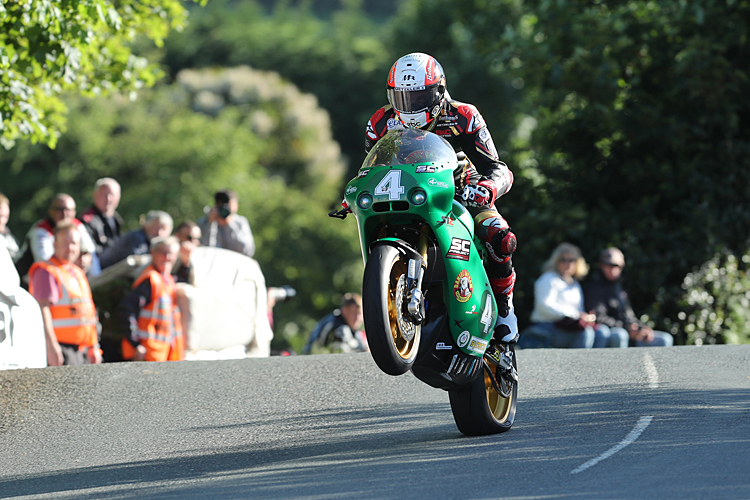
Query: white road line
[651, 374]
[637, 430]
[653, 383]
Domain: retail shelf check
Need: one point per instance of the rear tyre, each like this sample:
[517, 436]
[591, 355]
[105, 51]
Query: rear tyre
[479, 409]
[393, 339]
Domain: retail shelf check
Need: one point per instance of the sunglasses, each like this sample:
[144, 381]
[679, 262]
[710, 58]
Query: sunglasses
[567, 261]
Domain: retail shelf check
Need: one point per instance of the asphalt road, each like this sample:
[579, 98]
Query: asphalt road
[631, 423]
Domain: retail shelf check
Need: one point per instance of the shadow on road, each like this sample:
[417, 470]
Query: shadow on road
[384, 453]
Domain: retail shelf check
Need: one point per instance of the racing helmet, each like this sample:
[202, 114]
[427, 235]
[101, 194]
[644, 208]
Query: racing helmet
[416, 90]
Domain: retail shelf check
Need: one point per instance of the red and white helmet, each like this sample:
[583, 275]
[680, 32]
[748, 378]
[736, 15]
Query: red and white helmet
[416, 90]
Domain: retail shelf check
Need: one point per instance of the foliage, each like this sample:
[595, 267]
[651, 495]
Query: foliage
[51, 46]
[715, 307]
[341, 60]
[630, 133]
[167, 156]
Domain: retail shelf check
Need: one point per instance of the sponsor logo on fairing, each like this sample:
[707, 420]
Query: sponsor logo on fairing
[363, 173]
[477, 345]
[447, 220]
[434, 182]
[351, 189]
[459, 250]
[463, 339]
[463, 287]
[441, 346]
[425, 169]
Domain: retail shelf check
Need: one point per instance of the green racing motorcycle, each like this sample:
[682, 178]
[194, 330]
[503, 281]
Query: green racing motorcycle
[427, 302]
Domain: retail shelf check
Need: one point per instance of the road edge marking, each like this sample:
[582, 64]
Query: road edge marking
[643, 422]
[651, 374]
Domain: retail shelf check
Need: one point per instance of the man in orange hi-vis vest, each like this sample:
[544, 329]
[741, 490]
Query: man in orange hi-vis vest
[63, 293]
[149, 311]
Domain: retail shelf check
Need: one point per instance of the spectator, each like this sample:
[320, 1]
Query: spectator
[558, 318]
[606, 297]
[189, 235]
[101, 219]
[6, 237]
[222, 227]
[39, 242]
[136, 242]
[149, 311]
[63, 293]
[341, 330]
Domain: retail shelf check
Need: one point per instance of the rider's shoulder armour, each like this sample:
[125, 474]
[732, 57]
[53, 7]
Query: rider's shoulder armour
[458, 118]
[380, 123]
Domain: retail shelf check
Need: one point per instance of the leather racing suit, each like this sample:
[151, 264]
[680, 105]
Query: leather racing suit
[464, 128]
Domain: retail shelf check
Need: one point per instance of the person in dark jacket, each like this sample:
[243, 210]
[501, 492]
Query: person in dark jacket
[101, 219]
[605, 296]
[136, 242]
[341, 330]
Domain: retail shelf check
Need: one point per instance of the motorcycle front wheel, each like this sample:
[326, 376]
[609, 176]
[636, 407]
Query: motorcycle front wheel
[392, 337]
[479, 409]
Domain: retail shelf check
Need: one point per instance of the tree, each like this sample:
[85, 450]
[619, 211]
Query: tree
[641, 130]
[51, 46]
[341, 60]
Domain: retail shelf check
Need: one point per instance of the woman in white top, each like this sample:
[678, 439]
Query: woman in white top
[559, 318]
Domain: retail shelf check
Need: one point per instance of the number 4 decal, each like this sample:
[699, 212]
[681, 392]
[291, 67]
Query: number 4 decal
[486, 319]
[391, 185]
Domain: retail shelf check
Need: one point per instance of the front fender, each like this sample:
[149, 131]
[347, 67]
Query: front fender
[403, 247]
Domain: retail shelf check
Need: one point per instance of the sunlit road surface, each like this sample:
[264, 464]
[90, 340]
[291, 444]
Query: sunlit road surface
[597, 424]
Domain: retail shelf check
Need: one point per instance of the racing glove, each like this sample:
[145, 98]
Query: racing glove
[480, 194]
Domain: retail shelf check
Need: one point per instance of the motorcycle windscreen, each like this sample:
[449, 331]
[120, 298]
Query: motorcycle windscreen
[408, 146]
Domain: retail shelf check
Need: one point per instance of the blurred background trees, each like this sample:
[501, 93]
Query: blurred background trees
[625, 123]
[51, 46]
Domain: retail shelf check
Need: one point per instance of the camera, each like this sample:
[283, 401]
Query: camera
[223, 210]
[281, 293]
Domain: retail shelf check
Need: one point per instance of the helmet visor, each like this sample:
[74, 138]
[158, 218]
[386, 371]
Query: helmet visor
[414, 101]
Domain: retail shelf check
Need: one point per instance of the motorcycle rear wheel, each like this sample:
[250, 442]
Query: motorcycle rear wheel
[479, 409]
[393, 339]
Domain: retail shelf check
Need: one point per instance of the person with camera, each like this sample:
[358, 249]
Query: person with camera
[223, 227]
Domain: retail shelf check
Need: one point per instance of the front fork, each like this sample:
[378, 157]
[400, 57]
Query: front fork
[501, 356]
[415, 274]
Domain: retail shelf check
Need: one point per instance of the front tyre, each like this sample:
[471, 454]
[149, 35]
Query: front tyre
[479, 409]
[393, 338]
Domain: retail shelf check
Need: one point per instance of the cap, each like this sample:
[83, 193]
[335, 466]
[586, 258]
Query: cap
[612, 256]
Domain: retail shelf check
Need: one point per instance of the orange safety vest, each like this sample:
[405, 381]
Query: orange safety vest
[159, 320]
[74, 315]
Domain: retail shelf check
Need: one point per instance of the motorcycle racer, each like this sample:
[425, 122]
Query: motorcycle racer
[418, 98]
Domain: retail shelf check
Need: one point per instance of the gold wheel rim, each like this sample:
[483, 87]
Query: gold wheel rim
[404, 347]
[499, 406]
